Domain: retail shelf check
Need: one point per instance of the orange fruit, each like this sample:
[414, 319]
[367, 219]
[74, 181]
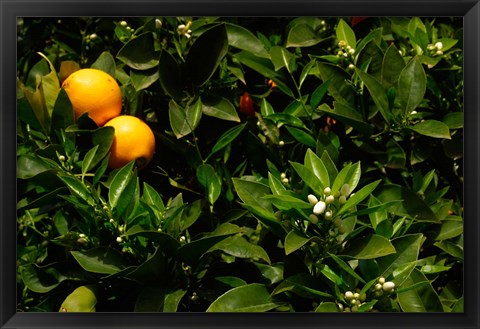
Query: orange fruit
[246, 104]
[133, 140]
[95, 92]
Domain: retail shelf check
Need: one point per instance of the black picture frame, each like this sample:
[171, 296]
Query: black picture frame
[10, 9]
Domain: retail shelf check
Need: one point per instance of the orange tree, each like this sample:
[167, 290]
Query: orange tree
[299, 164]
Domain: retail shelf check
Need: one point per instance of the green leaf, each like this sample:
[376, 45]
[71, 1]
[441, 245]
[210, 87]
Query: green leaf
[82, 299]
[358, 197]
[227, 138]
[281, 57]
[328, 307]
[265, 68]
[302, 284]
[344, 32]
[338, 88]
[308, 177]
[62, 114]
[252, 193]
[411, 206]
[407, 248]
[248, 298]
[170, 76]
[237, 246]
[152, 197]
[220, 108]
[454, 120]
[372, 246]
[77, 188]
[184, 120]
[103, 138]
[37, 281]
[139, 53]
[345, 113]
[315, 164]
[392, 66]
[412, 84]
[208, 178]
[155, 298]
[370, 59]
[432, 128]
[241, 38]
[319, 93]
[377, 93]
[295, 241]
[286, 118]
[449, 229]
[101, 260]
[422, 299]
[344, 266]
[302, 35]
[287, 202]
[49, 87]
[206, 54]
[276, 186]
[144, 79]
[119, 183]
[302, 136]
[350, 175]
[88, 159]
[106, 63]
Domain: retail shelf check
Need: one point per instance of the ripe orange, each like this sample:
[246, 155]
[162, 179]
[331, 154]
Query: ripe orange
[133, 140]
[95, 92]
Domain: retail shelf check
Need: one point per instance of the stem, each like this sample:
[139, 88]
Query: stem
[304, 107]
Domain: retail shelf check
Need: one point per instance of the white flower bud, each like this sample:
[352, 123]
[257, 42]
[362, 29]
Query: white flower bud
[340, 307]
[356, 295]
[158, 23]
[283, 175]
[119, 239]
[439, 52]
[354, 308]
[81, 235]
[347, 309]
[378, 287]
[351, 51]
[439, 45]
[319, 208]
[381, 280]
[182, 239]
[342, 199]
[61, 158]
[348, 295]
[112, 220]
[342, 43]
[329, 199]
[281, 143]
[312, 199]
[181, 27]
[327, 190]
[345, 190]
[187, 35]
[353, 301]
[93, 36]
[328, 215]
[351, 66]
[285, 180]
[388, 286]
[123, 23]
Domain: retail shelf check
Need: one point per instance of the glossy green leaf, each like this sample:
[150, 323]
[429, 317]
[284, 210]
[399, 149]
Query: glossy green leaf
[208, 178]
[346, 267]
[237, 246]
[226, 139]
[103, 137]
[170, 76]
[49, 86]
[302, 136]
[82, 299]
[302, 35]
[350, 175]
[344, 32]
[248, 298]
[301, 284]
[88, 159]
[449, 229]
[287, 202]
[106, 63]
[62, 114]
[144, 79]
[101, 260]
[206, 54]
[392, 65]
[220, 108]
[372, 246]
[315, 164]
[319, 93]
[308, 177]
[327, 307]
[139, 52]
[377, 93]
[287, 119]
[77, 188]
[407, 248]
[241, 38]
[454, 120]
[412, 84]
[281, 57]
[345, 113]
[432, 128]
[422, 299]
[358, 197]
[370, 59]
[338, 88]
[252, 193]
[295, 241]
[119, 183]
[155, 298]
[152, 197]
[37, 280]
[184, 120]
[276, 185]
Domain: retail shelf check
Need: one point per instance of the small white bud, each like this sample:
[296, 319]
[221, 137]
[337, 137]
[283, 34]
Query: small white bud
[345, 54]
[356, 295]
[327, 190]
[328, 215]
[340, 53]
[283, 175]
[123, 23]
[345, 190]
[349, 295]
[353, 301]
[93, 36]
[347, 309]
[187, 35]
[354, 308]
[285, 180]
[181, 27]
[121, 229]
[159, 229]
[351, 66]
[439, 45]
[182, 239]
[351, 51]
[413, 112]
[342, 43]
[323, 22]
[312, 199]
[329, 199]
[319, 208]
[281, 143]
[388, 286]
[378, 287]
[439, 52]
[158, 23]
[61, 158]
[119, 239]
[81, 235]
[381, 280]
[112, 220]
[342, 199]
[340, 307]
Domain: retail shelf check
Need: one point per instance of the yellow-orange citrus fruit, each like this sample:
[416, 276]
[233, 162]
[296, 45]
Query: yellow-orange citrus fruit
[133, 140]
[95, 92]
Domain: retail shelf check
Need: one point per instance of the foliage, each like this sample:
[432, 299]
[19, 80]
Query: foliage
[341, 192]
